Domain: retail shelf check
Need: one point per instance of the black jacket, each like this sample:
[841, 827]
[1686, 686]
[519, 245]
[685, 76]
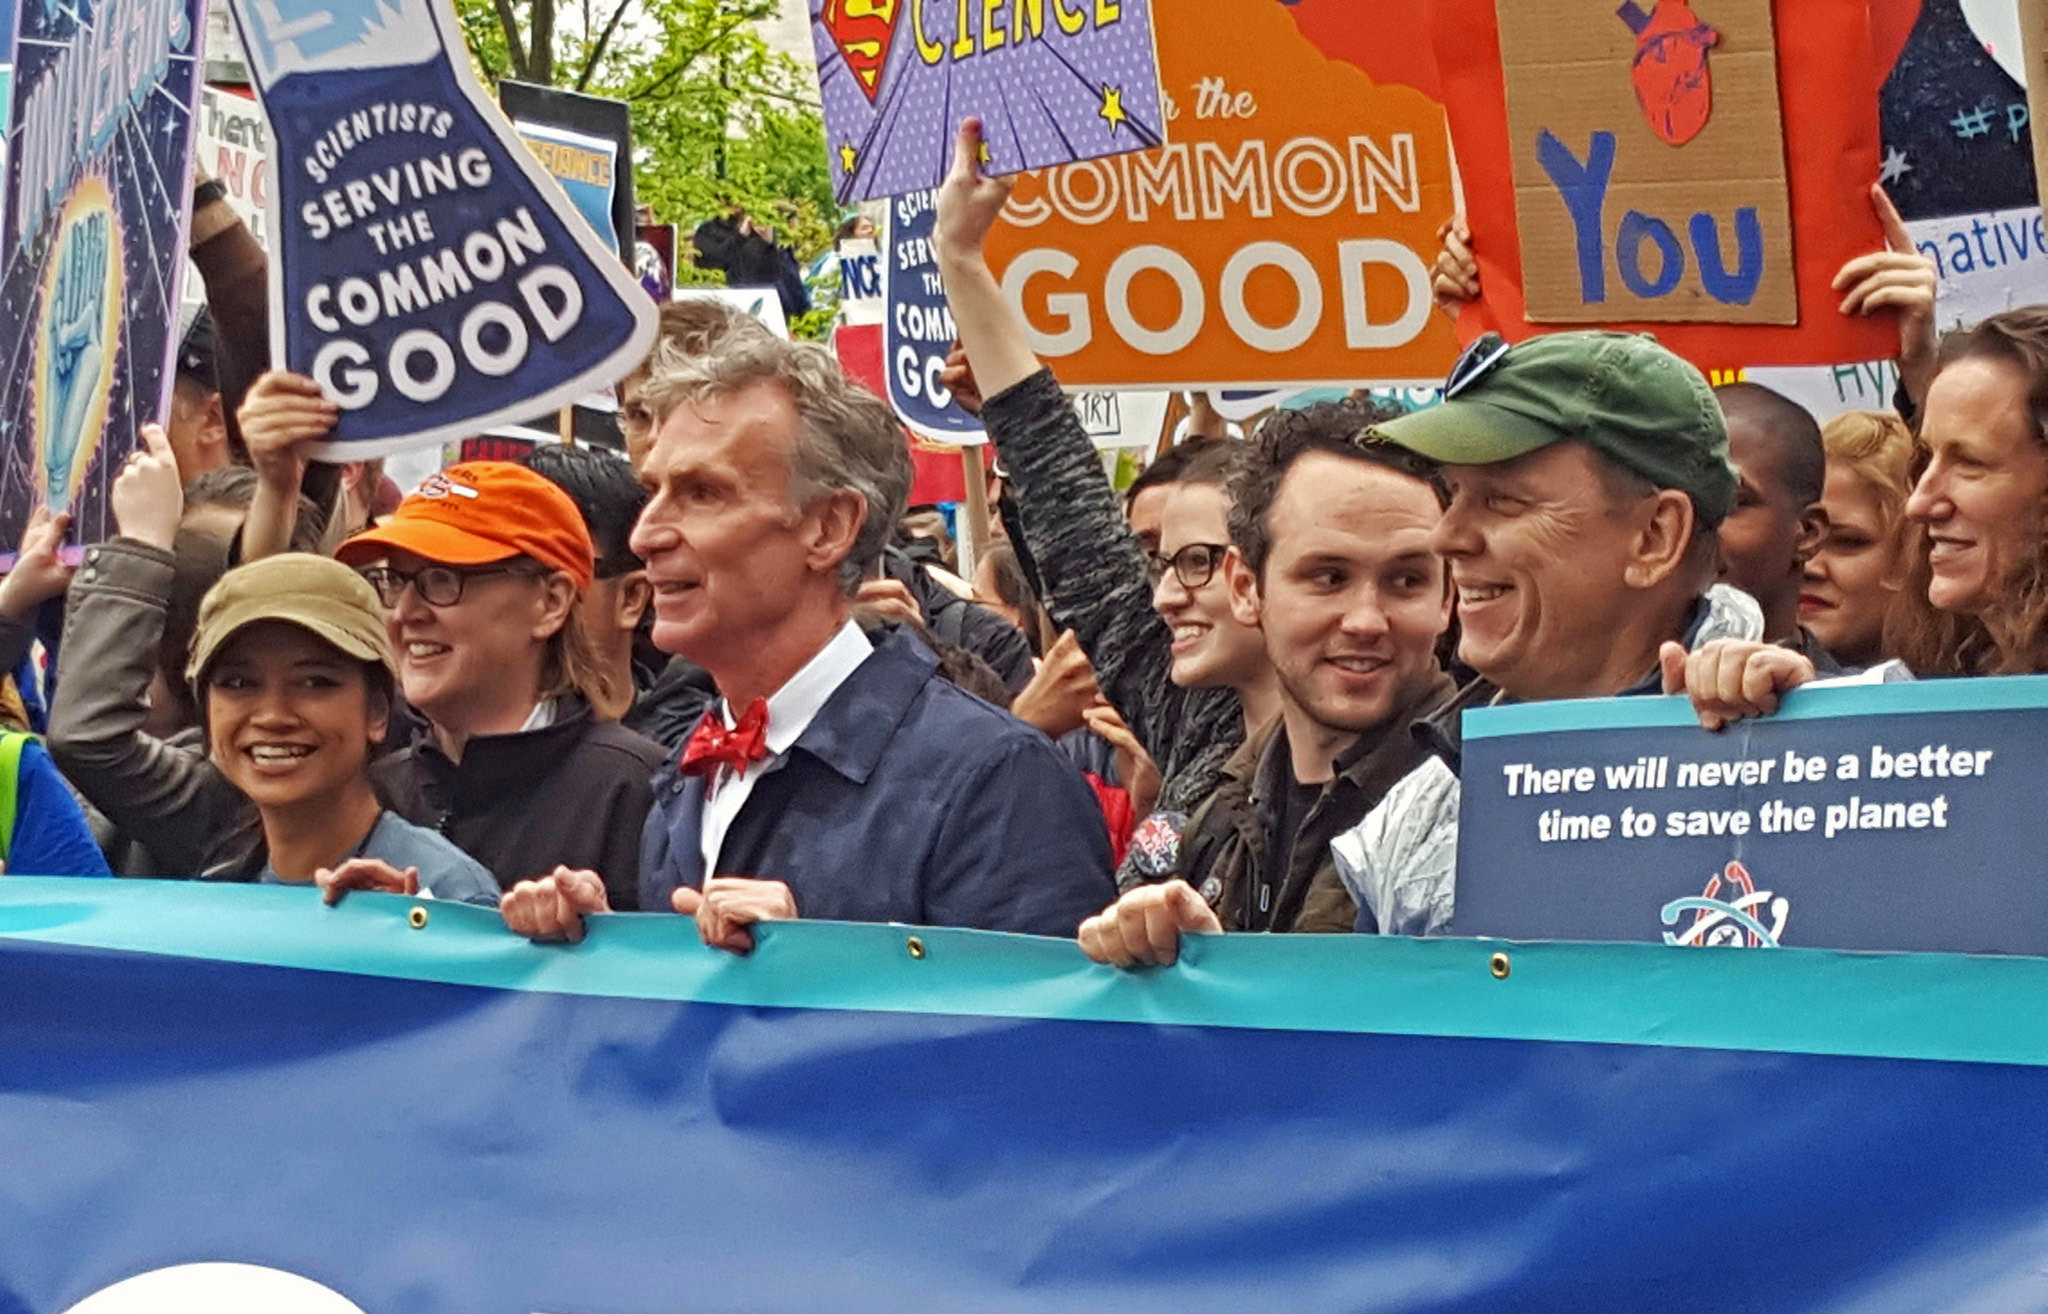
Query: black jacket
[671, 704]
[572, 794]
[955, 620]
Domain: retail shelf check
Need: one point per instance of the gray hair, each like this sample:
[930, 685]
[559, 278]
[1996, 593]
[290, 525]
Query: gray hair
[846, 437]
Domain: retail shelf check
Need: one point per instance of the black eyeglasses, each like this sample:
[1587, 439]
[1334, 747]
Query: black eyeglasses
[1476, 363]
[1194, 565]
[437, 585]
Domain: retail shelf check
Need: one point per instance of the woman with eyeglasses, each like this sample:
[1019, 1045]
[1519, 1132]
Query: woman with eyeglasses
[1189, 679]
[479, 573]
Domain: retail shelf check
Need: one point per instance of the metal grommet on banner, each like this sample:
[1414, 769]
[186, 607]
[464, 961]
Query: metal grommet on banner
[915, 946]
[1499, 966]
[417, 918]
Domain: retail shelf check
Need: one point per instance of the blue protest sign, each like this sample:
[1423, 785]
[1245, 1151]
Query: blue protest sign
[98, 198]
[234, 1100]
[918, 329]
[1898, 816]
[424, 269]
[1073, 80]
[584, 166]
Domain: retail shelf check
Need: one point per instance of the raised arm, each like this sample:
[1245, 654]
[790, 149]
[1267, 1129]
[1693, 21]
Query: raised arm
[1095, 575]
[170, 798]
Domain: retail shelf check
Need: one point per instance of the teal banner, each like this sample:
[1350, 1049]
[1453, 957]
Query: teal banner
[231, 1098]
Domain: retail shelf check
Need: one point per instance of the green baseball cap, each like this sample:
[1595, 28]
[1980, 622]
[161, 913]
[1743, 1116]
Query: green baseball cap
[1621, 394]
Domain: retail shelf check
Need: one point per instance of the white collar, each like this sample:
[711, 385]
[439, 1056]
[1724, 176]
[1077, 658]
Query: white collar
[541, 717]
[793, 707]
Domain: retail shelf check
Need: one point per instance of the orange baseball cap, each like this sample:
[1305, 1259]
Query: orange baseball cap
[479, 512]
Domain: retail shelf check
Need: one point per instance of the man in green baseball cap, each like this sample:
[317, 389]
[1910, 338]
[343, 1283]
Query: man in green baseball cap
[1588, 474]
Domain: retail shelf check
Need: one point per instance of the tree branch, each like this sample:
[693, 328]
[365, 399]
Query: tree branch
[684, 63]
[541, 59]
[517, 52]
[604, 39]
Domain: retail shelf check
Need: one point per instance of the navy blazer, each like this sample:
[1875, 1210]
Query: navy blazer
[905, 800]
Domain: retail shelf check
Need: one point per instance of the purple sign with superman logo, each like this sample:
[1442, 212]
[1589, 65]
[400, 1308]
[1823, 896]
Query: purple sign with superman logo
[1053, 81]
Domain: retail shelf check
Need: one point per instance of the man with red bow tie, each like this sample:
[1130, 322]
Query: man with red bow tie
[840, 776]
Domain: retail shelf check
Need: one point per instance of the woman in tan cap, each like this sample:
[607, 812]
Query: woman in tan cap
[295, 682]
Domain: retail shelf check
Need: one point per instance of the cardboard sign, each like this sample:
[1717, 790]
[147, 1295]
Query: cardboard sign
[762, 303]
[861, 297]
[581, 141]
[98, 202]
[1052, 81]
[654, 259]
[1828, 79]
[937, 474]
[918, 331]
[424, 269]
[1648, 162]
[1283, 237]
[1956, 112]
[1896, 816]
[234, 144]
[586, 167]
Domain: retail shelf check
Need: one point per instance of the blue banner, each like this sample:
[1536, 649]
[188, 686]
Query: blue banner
[1898, 816]
[424, 268]
[918, 331]
[98, 183]
[236, 1096]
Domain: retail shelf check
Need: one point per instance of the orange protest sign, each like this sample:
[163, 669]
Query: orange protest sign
[1828, 76]
[1283, 236]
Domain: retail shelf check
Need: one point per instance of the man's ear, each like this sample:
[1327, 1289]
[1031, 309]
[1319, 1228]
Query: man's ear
[1245, 600]
[213, 423]
[1663, 534]
[1813, 530]
[833, 523]
[635, 596]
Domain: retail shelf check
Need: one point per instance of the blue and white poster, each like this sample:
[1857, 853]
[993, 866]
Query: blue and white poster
[918, 331]
[99, 158]
[583, 165]
[230, 1099]
[1894, 816]
[425, 270]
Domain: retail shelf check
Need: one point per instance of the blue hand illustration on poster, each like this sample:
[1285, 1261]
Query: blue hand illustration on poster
[99, 148]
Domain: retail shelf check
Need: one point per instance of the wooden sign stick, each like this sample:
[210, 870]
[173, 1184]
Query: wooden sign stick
[2034, 48]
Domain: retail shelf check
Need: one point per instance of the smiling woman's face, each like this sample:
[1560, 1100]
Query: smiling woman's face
[290, 719]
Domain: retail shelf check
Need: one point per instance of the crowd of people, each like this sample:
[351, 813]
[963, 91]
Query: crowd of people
[727, 674]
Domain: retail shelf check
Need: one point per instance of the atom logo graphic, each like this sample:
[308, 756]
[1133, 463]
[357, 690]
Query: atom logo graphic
[1731, 922]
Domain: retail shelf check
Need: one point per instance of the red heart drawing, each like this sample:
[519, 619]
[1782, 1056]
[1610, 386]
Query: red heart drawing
[1670, 68]
[862, 29]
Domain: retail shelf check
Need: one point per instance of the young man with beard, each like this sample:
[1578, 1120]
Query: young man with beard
[1331, 556]
[1589, 475]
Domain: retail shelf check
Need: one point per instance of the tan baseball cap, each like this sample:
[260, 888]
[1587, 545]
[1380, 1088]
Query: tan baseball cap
[317, 594]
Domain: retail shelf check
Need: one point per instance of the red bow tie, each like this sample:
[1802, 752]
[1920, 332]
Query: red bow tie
[712, 746]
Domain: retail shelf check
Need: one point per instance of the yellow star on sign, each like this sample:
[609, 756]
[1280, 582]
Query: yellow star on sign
[848, 157]
[1112, 110]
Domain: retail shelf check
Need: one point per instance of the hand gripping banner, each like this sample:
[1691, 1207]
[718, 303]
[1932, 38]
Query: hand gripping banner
[425, 270]
[231, 1099]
